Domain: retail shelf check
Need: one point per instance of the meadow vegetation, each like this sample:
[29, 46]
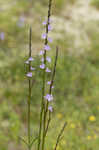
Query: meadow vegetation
[76, 93]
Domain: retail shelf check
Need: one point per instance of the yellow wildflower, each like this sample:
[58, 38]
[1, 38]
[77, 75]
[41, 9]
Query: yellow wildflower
[89, 137]
[59, 115]
[72, 125]
[92, 118]
[95, 136]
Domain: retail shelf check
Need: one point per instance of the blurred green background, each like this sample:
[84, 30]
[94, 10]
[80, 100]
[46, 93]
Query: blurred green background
[76, 93]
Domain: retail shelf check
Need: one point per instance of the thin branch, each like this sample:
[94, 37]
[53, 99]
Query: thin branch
[33, 141]
[54, 71]
[23, 141]
[43, 88]
[59, 136]
[50, 89]
[48, 122]
[29, 96]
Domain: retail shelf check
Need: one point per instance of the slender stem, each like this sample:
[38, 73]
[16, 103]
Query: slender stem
[25, 142]
[44, 73]
[29, 99]
[43, 87]
[54, 71]
[32, 142]
[59, 136]
[29, 96]
[50, 90]
[40, 127]
[48, 122]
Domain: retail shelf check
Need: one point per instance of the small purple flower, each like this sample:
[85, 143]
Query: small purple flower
[20, 24]
[49, 27]
[42, 66]
[44, 36]
[41, 52]
[30, 59]
[50, 108]
[48, 59]
[50, 40]
[2, 36]
[29, 74]
[32, 69]
[48, 70]
[22, 18]
[50, 20]
[49, 82]
[49, 97]
[27, 62]
[47, 47]
[42, 59]
[44, 23]
[21, 21]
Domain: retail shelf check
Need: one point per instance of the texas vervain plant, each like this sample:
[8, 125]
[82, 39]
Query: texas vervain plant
[46, 108]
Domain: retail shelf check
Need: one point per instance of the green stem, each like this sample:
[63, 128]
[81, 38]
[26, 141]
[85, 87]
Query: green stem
[29, 96]
[43, 88]
[46, 42]
[29, 99]
[50, 91]
[41, 113]
[59, 136]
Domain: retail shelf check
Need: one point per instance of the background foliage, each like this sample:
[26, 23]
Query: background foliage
[77, 79]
